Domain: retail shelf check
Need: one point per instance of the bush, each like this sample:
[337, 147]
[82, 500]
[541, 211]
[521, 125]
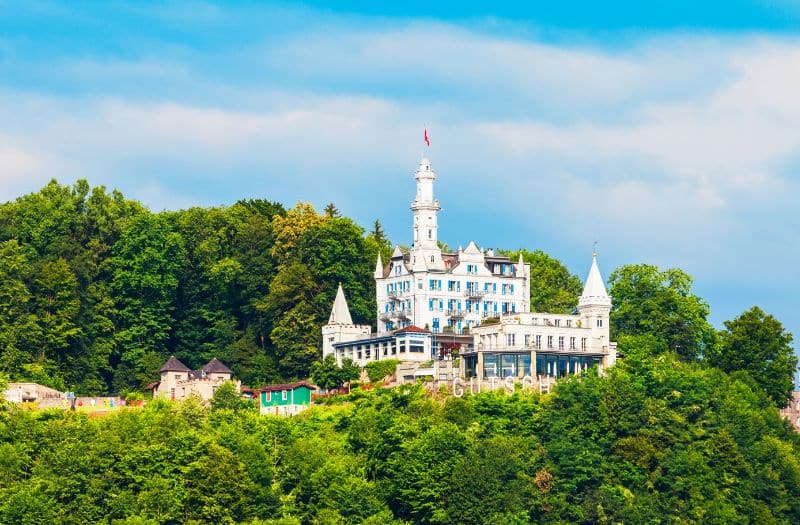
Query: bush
[378, 370]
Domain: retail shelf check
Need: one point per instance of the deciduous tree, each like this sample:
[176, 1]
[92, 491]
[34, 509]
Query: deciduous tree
[757, 343]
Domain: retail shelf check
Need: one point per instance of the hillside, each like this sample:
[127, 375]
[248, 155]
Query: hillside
[656, 441]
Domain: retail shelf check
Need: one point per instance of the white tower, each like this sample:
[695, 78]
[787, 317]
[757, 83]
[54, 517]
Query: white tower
[594, 307]
[425, 252]
[340, 327]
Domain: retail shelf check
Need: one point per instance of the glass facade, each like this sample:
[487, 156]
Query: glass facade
[560, 365]
[510, 364]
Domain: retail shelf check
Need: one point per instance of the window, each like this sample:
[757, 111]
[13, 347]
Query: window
[431, 258]
[511, 339]
[538, 342]
[572, 343]
[549, 341]
[432, 285]
[430, 305]
[269, 395]
[511, 289]
[560, 342]
[557, 322]
[583, 343]
[430, 235]
[284, 394]
[569, 322]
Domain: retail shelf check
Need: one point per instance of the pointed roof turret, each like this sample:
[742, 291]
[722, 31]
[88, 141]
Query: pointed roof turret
[397, 252]
[379, 267]
[215, 366]
[340, 313]
[173, 365]
[594, 292]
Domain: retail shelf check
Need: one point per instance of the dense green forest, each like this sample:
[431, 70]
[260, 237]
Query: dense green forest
[96, 291]
[657, 440]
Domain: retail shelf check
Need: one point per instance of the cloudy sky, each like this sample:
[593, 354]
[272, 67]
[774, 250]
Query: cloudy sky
[668, 135]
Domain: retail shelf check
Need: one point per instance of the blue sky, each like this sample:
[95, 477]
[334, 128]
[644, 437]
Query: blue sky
[669, 133]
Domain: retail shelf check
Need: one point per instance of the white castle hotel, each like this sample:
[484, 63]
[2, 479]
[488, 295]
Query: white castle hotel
[424, 293]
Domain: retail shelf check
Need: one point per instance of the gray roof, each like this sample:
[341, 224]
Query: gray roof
[215, 366]
[173, 365]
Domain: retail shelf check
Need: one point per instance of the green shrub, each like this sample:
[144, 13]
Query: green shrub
[377, 370]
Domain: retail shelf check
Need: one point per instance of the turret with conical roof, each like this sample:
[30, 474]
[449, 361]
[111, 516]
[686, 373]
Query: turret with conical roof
[340, 313]
[378, 267]
[594, 307]
[594, 291]
[340, 327]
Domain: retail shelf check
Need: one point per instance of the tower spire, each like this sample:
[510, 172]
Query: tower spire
[340, 313]
[379, 267]
[594, 292]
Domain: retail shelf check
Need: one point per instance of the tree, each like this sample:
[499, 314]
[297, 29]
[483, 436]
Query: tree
[553, 288]
[379, 242]
[350, 371]
[757, 343]
[19, 331]
[288, 228]
[325, 373]
[147, 262]
[227, 397]
[331, 211]
[648, 301]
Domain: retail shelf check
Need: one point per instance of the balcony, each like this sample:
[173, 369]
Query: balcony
[396, 294]
[474, 293]
[456, 314]
[385, 316]
[401, 314]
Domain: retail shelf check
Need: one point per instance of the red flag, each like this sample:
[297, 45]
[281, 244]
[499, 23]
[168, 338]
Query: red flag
[425, 136]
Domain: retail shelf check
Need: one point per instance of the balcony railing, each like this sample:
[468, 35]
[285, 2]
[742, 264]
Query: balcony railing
[401, 314]
[458, 314]
[474, 293]
[396, 294]
[385, 316]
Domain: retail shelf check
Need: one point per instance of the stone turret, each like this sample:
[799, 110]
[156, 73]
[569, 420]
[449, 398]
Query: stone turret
[340, 327]
[594, 307]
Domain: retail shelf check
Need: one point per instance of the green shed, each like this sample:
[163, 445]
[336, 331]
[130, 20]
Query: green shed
[285, 400]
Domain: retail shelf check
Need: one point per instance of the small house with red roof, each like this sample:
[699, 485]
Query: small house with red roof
[287, 399]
